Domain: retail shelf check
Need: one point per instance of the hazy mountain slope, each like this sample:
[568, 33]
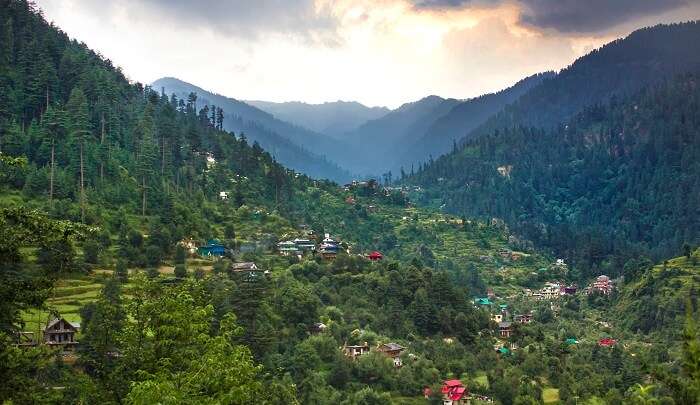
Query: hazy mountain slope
[332, 118]
[462, 118]
[295, 147]
[377, 141]
[620, 67]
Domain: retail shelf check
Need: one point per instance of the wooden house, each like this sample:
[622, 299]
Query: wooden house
[393, 351]
[454, 393]
[505, 329]
[58, 332]
[355, 351]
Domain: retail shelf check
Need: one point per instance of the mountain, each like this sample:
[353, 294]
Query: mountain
[616, 180]
[376, 141]
[331, 118]
[294, 146]
[439, 137]
[621, 67]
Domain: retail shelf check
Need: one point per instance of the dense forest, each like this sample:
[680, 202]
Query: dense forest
[617, 181]
[107, 189]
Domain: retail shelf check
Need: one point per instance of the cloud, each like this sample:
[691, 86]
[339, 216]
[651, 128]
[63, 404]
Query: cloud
[305, 20]
[567, 16]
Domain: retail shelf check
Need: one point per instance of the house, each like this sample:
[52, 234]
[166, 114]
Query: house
[58, 332]
[560, 263]
[602, 285]
[505, 329]
[570, 290]
[607, 342]
[354, 351]
[305, 245]
[571, 341]
[223, 195]
[371, 208]
[503, 308]
[503, 351]
[393, 351]
[288, 248]
[482, 302]
[375, 256]
[454, 393]
[523, 318]
[497, 318]
[212, 248]
[329, 248]
[247, 269]
[318, 327]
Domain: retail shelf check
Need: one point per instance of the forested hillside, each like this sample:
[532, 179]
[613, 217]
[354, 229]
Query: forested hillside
[646, 56]
[295, 147]
[444, 131]
[619, 178]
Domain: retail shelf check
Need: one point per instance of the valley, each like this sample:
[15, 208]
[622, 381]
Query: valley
[165, 244]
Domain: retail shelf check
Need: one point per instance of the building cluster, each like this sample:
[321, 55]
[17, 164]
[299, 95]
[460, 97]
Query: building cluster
[391, 350]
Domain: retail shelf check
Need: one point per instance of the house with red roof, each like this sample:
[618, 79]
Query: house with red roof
[607, 342]
[454, 393]
[375, 256]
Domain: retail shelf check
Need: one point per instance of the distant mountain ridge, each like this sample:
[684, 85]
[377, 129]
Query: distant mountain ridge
[294, 146]
[330, 118]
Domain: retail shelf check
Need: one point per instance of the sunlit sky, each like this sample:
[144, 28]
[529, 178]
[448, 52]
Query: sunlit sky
[377, 52]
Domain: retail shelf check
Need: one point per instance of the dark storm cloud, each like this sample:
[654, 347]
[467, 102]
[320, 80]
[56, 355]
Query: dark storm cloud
[569, 16]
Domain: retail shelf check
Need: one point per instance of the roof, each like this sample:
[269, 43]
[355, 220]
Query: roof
[244, 266]
[52, 322]
[391, 347]
[571, 341]
[483, 301]
[504, 324]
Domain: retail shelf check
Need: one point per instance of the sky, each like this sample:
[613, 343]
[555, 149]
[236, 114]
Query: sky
[377, 52]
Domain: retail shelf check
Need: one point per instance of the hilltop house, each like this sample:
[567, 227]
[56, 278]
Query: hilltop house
[454, 393]
[393, 351]
[211, 249]
[58, 332]
[505, 329]
[354, 351]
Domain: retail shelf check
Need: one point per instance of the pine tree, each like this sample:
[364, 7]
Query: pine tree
[148, 152]
[79, 131]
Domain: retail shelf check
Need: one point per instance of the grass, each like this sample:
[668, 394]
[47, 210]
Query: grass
[550, 395]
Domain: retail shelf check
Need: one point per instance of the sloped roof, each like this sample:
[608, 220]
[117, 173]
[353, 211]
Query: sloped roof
[391, 347]
[244, 266]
